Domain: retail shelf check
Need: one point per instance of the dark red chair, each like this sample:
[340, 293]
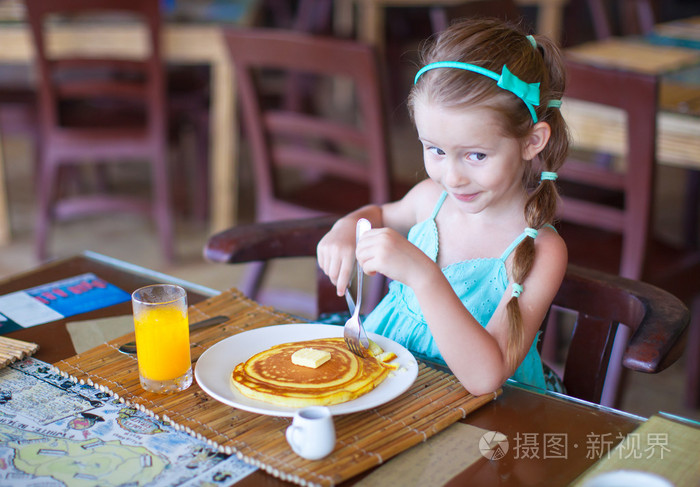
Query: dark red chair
[622, 17]
[599, 302]
[310, 158]
[441, 16]
[95, 111]
[606, 212]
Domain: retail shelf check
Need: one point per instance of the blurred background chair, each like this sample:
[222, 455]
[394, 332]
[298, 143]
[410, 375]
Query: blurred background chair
[598, 301]
[442, 15]
[310, 155]
[188, 107]
[637, 18]
[18, 116]
[607, 208]
[95, 111]
[622, 17]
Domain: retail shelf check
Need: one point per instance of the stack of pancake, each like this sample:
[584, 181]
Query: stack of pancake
[273, 377]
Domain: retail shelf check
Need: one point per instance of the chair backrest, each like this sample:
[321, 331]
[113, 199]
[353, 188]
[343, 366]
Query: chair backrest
[599, 300]
[442, 15]
[68, 79]
[622, 17]
[317, 160]
[591, 190]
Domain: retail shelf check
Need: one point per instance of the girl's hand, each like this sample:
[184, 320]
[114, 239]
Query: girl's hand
[336, 253]
[388, 252]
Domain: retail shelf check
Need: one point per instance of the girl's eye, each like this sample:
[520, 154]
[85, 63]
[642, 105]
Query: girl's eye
[476, 156]
[436, 151]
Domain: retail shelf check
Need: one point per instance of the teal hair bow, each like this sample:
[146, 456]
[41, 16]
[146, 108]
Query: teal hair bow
[529, 93]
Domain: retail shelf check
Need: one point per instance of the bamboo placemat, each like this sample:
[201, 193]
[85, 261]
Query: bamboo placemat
[364, 439]
[635, 55]
[12, 350]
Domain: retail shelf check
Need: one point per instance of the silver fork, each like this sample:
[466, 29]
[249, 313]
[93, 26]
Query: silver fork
[354, 332]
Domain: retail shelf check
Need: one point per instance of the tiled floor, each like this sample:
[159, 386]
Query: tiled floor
[133, 239]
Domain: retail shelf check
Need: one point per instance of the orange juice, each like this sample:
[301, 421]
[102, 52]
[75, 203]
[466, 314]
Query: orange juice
[162, 342]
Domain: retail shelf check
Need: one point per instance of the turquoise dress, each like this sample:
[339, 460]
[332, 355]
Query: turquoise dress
[479, 283]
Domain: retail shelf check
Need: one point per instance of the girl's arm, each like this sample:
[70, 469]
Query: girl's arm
[476, 355]
[336, 250]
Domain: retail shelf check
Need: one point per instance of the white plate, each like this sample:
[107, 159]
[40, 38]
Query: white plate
[214, 367]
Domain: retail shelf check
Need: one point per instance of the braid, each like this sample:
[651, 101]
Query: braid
[541, 205]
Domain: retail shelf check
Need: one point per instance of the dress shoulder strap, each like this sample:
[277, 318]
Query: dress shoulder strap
[438, 205]
[519, 239]
[512, 246]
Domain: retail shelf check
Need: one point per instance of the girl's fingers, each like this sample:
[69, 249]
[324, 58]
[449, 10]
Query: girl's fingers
[344, 276]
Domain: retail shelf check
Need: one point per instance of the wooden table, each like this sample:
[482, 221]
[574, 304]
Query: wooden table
[602, 129]
[371, 15]
[182, 43]
[518, 412]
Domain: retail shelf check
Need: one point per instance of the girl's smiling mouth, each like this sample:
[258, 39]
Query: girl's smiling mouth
[465, 197]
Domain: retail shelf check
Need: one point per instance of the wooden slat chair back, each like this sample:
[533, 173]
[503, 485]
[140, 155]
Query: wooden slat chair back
[96, 108]
[281, 137]
[622, 17]
[310, 159]
[605, 196]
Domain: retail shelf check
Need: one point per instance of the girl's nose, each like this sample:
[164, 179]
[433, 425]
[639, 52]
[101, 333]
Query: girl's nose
[455, 175]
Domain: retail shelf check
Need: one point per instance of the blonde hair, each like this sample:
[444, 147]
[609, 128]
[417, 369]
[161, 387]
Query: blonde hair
[491, 44]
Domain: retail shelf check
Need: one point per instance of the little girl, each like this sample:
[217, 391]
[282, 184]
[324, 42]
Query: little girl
[472, 255]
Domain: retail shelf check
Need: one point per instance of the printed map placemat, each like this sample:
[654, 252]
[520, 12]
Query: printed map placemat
[54, 431]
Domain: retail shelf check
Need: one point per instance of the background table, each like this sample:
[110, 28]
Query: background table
[518, 412]
[371, 15]
[678, 133]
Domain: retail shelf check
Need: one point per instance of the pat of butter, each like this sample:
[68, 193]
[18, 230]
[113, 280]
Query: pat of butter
[310, 357]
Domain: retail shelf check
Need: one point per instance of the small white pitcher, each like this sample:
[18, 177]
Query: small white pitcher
[312, 432]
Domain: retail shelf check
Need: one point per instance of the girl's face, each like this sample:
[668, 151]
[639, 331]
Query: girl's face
[466, 152]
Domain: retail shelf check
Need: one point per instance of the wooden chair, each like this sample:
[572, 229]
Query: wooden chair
[188, 107]
[97, 109]
[600, 301]
[632, 18]
[17, 117]
[622, 17]
[606, 211]
[309, 160]
[442, 15]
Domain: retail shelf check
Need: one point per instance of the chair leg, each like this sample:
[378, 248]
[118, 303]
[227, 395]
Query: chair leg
[252, 280]
[201, 196]
[46, 190]
[690, 217]
[5, 227]
[614, 379]
[162, 211]
[550, 340]
[692, 358]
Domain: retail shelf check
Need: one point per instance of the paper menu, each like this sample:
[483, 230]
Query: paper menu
[57, 300]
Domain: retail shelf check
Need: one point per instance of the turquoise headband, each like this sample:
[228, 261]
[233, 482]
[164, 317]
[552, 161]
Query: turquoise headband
[529, 93]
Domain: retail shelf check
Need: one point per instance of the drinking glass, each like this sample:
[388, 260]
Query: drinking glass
[162, 338]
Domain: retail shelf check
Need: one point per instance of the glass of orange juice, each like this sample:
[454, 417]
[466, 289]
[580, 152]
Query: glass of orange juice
[162, 338]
